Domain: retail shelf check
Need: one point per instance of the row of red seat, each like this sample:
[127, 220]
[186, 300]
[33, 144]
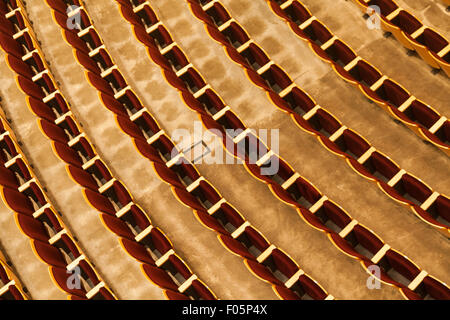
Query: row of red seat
[262, 258]
[37, 218]
[411, 33]
[289, 186]
[421, 118]
[118, 211]
[427, 204]
[10, 286]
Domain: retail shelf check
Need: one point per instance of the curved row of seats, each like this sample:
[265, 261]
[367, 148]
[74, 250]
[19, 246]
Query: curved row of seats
[36, 218]
[411, 33]
[262, 258]
[317, 210]
[118, 211]
[421, 118]
[10, 286]
[427, 204]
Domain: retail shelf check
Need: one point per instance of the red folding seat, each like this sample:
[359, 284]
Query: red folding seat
[299, 101]
[176, 266]
[311, 288]
[341, 53]
[435, 289]
[113, 105]
[207, 193]
[279, 261]
[88, 63]
[137, 251]
[236, 35]
[53, 132]
[285, 293]
[17, 201]
[303, 189]
[297, 12]
[159, 277]
[91, 37]
[210, 222]
[398, 269]
[120, 192]
[333, 217]
[252, 238]
[139, 218]
[22, 169]
[99, 202]
[364, 241]
[324, 123]
[49, 254]
[58, 5]
[15, 293]
[117, 226]
[236, 247]
[148, 151]
[8, 178]
[318, 32]
[72, 37]
[193, 80]
[366, 73]
[352, 144]
[19, 66]
[33, 228]
[262, 272]
[203, 292]
[67, 244]
[88, 271]
[219, 13]
[147, 121]
[6, 26]
[82, 177]
[441, 208]
[129, 127]
[30, 88]
[422, 114]
[180, 58]
[116, 79]
[67, 154]
[3, 275]
[61, 277]
[381, 167]
[255, 56]
[386, 6]
[100, 84]
[10, 46]
[131, 101]
[130, 15]
[412, 189]
[40, 109]
[188, 199]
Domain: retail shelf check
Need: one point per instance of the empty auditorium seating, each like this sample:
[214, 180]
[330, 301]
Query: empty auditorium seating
[34, 214]
[37, 219]
[188, 185]
[316, 209]
[410, 32]
[10, 286]
[288, 97]
[421, 118]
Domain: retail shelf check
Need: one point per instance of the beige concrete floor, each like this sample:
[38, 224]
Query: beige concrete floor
[223, 272]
